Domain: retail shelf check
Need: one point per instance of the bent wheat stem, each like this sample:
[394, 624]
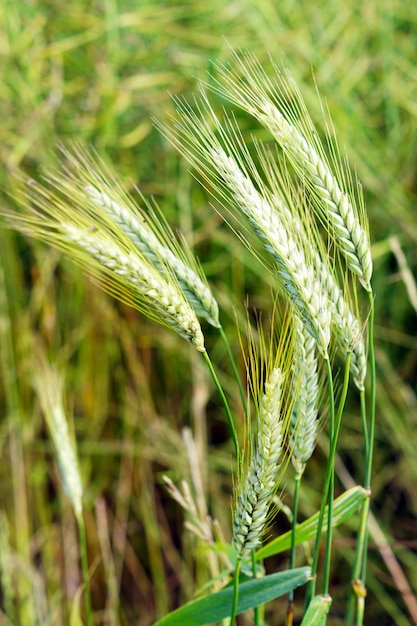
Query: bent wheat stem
[226, 406]
[234, 368]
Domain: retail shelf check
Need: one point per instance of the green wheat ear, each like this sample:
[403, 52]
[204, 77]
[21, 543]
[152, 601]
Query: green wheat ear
[83, 210]
[306, 388]
[279, 106]
[269, 372]
[219, 154]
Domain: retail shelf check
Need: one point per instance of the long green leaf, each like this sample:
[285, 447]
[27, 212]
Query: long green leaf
[344, 507]
[252, 593]
[317, 611]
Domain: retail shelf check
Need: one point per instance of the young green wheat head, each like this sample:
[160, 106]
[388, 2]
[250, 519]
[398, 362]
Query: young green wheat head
[83, 210]
[307, 224]
[270, 379]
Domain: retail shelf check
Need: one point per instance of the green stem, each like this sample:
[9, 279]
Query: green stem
[234, 368]
[329, 471]
[364, 422]
[235, 592]
[292, 551]
[359, 567]
[84, 568]
[368, 473]
[226, 406]
[330, 488]
[294, 518]
[362, 525]
[257, 612]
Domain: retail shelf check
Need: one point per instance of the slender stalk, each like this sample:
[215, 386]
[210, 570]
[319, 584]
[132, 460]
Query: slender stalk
[359, 568]
[234, 368]
[235, 591]
[257, 612]
[84, 568]
[329, 470]
[332, 439]
[290, 609]
[372, 369]
[226, 406]
[364, 422]
[294, 519]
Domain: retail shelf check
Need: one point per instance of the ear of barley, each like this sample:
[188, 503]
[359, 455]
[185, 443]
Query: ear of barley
[49, 388]
[296, 275]
[159, 298]
[306, 392]
[280, 108]
[258, 484]
[227, 170]
[345, 325]
[140, 229]
[104, 198]
[104, 251]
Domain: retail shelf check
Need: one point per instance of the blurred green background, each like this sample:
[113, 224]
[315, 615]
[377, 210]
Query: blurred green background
[98, 72]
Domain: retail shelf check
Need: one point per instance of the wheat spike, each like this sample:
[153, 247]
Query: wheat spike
[146, 282]
[306, 391]
[49, 387]
[161, 256]
[295, 272]
[346, 326]
[279, 106]
[259, 483]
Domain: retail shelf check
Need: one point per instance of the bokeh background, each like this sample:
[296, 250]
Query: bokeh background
[99, 72]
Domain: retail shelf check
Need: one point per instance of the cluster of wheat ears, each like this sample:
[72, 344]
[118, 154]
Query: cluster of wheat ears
[299, 198]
